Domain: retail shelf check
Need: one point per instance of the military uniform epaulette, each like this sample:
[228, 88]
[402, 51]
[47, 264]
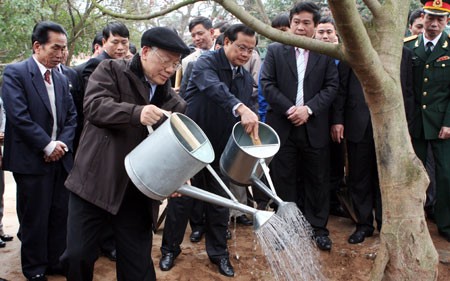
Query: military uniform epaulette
[410, 38]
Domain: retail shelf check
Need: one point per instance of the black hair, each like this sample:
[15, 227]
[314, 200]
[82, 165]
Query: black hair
[327, 20]
[281, 20]
[115, 28]
[415, 15]
[222, 26]
[41, 29]
[219, 40]
[207, 23]
[97, 41]
[309, 7]
[132, 48]
[233, 30]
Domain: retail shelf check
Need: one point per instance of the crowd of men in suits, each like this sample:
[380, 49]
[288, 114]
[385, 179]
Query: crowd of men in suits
[68, 131]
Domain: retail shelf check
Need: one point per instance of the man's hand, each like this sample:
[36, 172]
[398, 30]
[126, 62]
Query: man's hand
[150, 114]
[337, 132]
[57, 153]
[249, 120]
[298, 115]
[444, 133]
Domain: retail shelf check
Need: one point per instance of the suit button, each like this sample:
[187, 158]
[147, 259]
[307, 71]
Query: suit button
[425, 80]
[424, 106]
[425, 94]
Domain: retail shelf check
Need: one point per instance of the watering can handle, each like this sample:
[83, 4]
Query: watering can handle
[183, 130]
[254, 140]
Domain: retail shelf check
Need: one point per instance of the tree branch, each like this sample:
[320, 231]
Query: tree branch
[329, 49]
[358, 49]
[147, 16]
[374, 6]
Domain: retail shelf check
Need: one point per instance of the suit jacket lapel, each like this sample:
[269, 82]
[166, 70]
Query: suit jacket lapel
[39, 84]
[59, 95]
[289, 55]
[312, 61]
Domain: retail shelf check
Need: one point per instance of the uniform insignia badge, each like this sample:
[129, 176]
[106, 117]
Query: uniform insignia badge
[445, 44]
[443, 58]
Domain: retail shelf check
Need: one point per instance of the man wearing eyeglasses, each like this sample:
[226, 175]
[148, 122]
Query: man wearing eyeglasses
[299, 86]
[123, 97]
[219, 94]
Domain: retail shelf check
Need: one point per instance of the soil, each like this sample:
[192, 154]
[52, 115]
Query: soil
[344, 262]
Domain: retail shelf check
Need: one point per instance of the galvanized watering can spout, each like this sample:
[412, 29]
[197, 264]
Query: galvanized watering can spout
[259, 217]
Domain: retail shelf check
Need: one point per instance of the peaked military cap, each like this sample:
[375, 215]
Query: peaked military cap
[166, 39]
[436, 7]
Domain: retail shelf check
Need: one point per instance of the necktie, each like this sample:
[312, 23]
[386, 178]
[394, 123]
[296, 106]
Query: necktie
[47, 77]
[429, 48]
[150, 92]
[301, 75]
[234, 72]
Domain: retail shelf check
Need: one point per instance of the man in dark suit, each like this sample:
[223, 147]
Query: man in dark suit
[351, 118]
[218, 93]
[299, 89]
[115, 46]
[40, 127]
[431, 117]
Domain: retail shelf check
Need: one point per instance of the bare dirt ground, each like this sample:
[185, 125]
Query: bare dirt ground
[345, 262]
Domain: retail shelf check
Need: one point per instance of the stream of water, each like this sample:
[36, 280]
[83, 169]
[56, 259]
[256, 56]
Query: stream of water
[286, 242]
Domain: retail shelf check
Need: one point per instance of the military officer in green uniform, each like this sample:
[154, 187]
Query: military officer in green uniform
[431, 120]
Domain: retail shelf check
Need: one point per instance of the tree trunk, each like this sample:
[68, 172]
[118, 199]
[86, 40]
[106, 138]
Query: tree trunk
[406, 250]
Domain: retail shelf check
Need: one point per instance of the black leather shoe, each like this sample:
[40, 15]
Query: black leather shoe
[323, 242]
[167, 261]
[2, 243]
[196, 236]
[6, 237]
[358, 236]
[39, 277]
[225, 267]
[111, 255]
[242, 219]
[228, 235]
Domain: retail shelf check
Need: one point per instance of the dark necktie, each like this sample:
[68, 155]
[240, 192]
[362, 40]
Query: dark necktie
[429, 48]
[47, 77]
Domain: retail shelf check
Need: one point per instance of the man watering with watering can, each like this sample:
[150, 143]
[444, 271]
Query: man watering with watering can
[218, 95]
[122, 98]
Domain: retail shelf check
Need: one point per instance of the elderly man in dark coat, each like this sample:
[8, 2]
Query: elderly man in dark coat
[122, 98]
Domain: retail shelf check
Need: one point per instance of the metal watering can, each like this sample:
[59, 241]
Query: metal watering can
[171, 155]
[244, 162]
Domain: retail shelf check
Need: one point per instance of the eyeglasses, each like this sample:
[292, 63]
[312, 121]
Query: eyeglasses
[243, 49]
[175, 65]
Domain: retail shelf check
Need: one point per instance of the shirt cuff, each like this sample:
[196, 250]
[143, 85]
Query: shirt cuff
[49, 148]
[309, 110]
[235, 108]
